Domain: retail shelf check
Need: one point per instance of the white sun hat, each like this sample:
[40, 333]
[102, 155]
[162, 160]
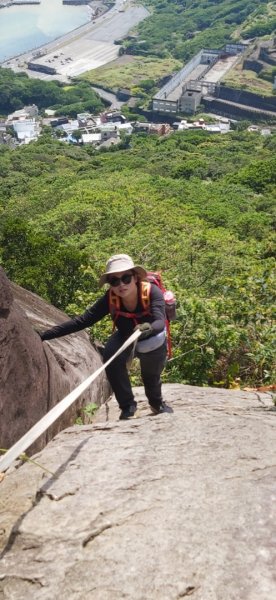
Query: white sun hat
[118, 263]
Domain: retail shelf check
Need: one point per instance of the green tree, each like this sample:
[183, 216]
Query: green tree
[39, 263]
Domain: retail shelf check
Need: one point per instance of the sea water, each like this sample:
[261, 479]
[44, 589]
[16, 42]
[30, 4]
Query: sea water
[23, 28]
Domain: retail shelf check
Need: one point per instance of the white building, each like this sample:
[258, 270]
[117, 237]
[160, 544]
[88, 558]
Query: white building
[222, 126]
[69, 127]
[91, 138]
[24, 113]
[26, 130]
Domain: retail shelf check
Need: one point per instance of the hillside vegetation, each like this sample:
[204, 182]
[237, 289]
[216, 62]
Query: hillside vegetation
[198, 207]
[246, 79]
[175, 31]
[181, 27]
[138, 73]
[17, 90]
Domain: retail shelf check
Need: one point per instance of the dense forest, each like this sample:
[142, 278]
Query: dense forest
[199, 208]
[18, 90]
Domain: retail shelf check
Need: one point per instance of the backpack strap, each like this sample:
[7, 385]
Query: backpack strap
[144, 289]
[115, 307]
[144, 297]
[169, 339]
[114, 302]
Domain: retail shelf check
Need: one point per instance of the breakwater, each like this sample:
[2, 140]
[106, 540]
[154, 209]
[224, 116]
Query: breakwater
[7, 3]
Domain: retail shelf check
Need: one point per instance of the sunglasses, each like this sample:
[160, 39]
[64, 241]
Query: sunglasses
[115, 281]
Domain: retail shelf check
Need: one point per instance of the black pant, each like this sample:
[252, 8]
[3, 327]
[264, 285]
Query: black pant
[152, 365]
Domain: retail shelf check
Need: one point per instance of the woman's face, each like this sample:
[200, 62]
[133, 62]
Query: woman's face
[123, 283]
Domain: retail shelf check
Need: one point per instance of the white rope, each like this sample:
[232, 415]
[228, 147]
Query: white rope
[48, 419]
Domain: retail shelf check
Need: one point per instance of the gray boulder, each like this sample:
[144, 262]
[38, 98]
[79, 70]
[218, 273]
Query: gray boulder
[158, 508]
[34, 376]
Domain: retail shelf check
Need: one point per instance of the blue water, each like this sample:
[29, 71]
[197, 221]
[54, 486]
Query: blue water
[23, 28]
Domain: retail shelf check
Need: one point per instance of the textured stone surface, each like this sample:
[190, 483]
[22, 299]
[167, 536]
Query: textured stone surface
[157, 508]
[34, 376]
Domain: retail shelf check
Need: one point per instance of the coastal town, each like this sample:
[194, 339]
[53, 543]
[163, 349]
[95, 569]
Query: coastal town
[105, 130]
[197, 87]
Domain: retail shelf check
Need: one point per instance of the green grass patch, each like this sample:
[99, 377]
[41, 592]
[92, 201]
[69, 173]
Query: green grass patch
[247, 80]
[127, 71]
[263, 11]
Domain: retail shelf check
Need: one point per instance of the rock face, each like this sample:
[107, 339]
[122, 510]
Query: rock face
[34, 376]
[157, 508]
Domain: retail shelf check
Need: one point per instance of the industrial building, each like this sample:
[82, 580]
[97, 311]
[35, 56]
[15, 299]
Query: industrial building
[184, 91]
[41, 68]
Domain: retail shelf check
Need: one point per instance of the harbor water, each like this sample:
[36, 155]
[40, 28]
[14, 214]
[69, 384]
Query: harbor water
[23, 28]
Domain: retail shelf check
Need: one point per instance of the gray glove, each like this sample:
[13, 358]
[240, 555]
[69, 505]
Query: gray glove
[146, 329]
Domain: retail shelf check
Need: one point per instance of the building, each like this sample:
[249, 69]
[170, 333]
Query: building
[183, 92]
[26, 130]
[87, 120]
[40, 67]
[105, 139]
[24, 113]
[123, 94]
[91, 138]
[58, 121]
[113, 117]
[190, 101]
[49, 112]
[69, 127]
[25, 123]
[167, 99]
[152, 128]
[222, 126]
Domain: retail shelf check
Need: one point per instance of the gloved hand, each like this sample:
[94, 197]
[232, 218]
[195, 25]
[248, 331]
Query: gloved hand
[40, 334]
[146, 329]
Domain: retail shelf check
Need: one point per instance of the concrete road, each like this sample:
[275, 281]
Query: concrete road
[115, 103]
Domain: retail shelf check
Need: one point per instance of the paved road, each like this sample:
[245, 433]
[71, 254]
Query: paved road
[115, 103]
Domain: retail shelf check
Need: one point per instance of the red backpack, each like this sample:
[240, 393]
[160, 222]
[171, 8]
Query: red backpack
[144, 298]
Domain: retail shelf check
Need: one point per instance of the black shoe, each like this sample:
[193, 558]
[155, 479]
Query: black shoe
[162, 408]
[128, 413]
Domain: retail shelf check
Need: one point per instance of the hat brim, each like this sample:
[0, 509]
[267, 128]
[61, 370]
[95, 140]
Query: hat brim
[140, 272]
